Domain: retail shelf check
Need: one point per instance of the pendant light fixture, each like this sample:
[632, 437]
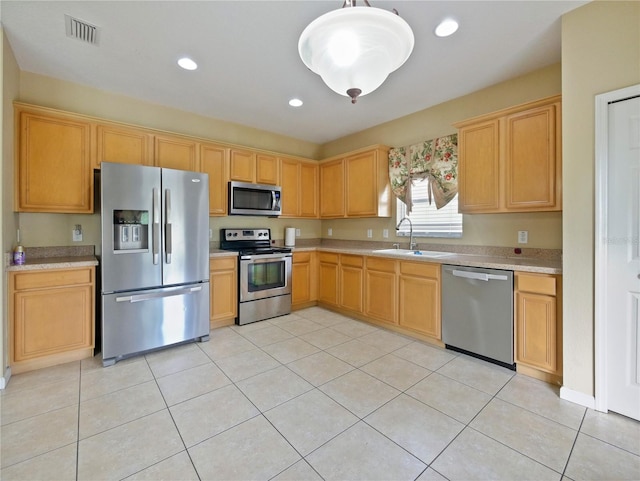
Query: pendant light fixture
[355, 48]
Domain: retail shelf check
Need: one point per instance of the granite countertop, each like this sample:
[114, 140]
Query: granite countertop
[60, 262]
[522, 264]
[222, 253]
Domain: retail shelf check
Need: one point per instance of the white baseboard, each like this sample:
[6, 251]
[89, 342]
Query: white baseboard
[577, 397]
[4, 380]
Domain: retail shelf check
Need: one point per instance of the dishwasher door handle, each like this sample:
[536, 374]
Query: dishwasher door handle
[480, 276]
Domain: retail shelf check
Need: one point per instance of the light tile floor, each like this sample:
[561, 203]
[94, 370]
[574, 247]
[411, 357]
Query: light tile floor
[309, 396]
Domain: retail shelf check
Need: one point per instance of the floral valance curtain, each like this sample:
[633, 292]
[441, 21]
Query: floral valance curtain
[435, 161]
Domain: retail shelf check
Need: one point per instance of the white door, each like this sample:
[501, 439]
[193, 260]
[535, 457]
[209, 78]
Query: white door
[623, 258]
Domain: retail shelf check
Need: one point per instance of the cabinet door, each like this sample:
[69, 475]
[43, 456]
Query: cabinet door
[54, 171]
[419, 298]
[242, 165]
[361, 185]
[289, 181]
[381, 297]
[536, 331]
[479, 167]
[175, 153]
[52, 321]
[123, 145]
[214, 161]
[531, 159]
[308, 191]
[351, 282]
[301, 278]
[266, 169]
[332, 189]
[328, 289]
[223, 282]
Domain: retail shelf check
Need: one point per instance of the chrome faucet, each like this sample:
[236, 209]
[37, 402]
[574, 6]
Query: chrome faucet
[412, 245]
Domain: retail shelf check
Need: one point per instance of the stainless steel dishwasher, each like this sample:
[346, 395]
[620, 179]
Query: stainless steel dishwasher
[477, 312]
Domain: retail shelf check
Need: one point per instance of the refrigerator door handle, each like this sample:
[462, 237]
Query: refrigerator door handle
[167, 226]
[156, 226]
[158, 295]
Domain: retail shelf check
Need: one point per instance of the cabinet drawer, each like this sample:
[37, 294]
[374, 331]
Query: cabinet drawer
[51, 278]
[328, 258]
[352, 261]
[384, 265]
[536, 283]
[420, 269]
[223, 263]
[301, 257]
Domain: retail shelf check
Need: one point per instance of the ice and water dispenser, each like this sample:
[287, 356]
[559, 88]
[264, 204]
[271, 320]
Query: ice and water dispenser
[130, 231]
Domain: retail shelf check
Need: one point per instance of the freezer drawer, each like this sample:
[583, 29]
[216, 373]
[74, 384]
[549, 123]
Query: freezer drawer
[137, 321]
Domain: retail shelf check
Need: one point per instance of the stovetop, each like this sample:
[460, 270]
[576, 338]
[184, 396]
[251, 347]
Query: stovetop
[250, 242]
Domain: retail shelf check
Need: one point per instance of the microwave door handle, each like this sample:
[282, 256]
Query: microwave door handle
[155, 230]
[273, 200]
[167, 227]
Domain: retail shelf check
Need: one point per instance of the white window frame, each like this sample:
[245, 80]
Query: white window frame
[443, 223]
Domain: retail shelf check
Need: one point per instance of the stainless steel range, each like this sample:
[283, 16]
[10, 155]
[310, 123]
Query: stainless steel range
[264, 280]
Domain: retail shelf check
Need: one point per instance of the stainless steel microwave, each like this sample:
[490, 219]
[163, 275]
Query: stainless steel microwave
[254, 199]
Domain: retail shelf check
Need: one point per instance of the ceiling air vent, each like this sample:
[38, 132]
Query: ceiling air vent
[81, 30]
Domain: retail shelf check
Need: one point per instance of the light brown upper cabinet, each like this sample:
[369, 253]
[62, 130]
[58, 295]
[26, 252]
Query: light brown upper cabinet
[175, 152]
[123, 144]
[252, 167]
[356, 185]
[214, 160]
[299, 182]
[266, 169]
[53, 162]
[511, 160]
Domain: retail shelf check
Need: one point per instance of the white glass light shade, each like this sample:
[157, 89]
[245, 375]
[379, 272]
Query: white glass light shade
[356, 47]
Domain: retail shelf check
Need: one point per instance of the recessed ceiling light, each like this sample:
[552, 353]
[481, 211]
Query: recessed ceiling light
[187, 64]
[295, 102]
[447, 27]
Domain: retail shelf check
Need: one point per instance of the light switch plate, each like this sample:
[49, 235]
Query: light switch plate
[297, 232]
[385, 233]
[369, 233]
[329, 231]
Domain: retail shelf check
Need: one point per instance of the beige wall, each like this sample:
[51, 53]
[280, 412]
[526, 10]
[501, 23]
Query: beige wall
[59, 94]
[545, 229]
[8, 226]
[600, 53]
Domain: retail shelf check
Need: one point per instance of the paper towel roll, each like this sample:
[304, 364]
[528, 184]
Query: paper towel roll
[290, 237]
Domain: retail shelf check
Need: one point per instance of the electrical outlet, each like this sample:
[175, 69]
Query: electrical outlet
[523, 236]
[297, 232]
[385, 233]
[329, 231]
[369, 233]
[77, 233]
[210, 233]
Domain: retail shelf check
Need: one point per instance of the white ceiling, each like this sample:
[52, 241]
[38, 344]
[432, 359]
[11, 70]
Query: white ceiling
[249, 66]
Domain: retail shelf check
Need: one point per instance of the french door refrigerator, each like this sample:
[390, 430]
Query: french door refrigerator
[155, 258]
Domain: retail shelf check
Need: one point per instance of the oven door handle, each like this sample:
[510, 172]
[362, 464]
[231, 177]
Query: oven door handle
[261, 258]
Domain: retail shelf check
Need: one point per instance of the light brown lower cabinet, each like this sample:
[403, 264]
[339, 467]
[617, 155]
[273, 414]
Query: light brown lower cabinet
[223, 282]
[381, 292]
[419, 298]
[52, 317]
[304, 280]
[351, 284]
[328, 278]
[538, 316]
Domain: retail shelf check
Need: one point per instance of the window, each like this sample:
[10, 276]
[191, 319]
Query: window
[426, 219]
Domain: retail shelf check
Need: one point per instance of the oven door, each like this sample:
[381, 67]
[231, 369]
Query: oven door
[264, 275]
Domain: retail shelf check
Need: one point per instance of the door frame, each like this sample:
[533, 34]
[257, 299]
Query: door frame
[602, 102]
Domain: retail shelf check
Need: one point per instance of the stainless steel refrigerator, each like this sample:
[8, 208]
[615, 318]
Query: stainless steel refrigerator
[155, 258]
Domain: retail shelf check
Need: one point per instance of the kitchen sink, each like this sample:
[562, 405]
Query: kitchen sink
[413, 253]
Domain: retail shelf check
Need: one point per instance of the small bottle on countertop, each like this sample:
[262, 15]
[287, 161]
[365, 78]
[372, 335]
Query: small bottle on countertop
[19, 256]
